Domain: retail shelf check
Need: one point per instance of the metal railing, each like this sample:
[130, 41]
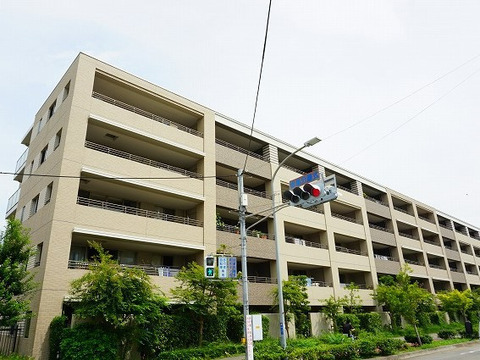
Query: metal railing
[373, 226]
[297, 241]
[402, 210]
[138, 212]
[22, 160]
[413, 262]
[350, 251]
[455, 270]
[139, 159]
[9, 338]
[445, 226]
[372, 199]
[434, 266]
[358, 286]
[343, 217]
[408, 236]
[254, 192]
[426, 219]
[253, 233]
[384, 257]
[167, 271]
[431, 242]
[294, 169]
[146, 114]
[347, 189]
[262, 279]
[239, 149]
[319, 283]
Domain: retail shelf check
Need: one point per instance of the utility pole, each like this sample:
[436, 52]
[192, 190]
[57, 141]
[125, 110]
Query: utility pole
[242, 209]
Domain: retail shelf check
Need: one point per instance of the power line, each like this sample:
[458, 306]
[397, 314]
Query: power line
[259, 81]
[413, 117]
[402, 99]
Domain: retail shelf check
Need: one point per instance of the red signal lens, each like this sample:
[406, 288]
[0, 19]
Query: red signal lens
[315, 192]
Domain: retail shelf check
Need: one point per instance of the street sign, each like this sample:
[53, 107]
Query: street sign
[222, 267]
[302, 180]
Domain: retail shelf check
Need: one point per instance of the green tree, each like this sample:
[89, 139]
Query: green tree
[203, 297]
[295, 302]
[353, 301]
[122, 300]
[405, 298]
[456, 301]
[16, 282]
[332, 309]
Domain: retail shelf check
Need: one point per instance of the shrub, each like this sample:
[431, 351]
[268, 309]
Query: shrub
[412, 338]
[367, 348]
[371, 322]
[446, 334]
[388, 346]
[437, 318]
[87, 341]
[265, 327]
[335, 338]
[210, 351]
[311, 353]
[344, 351]
[57, 328]
[342, 319]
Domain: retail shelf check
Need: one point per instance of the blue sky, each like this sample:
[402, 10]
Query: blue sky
[328, 65]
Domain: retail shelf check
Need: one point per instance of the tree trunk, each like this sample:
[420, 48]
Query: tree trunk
[200, 338]
[418, 335]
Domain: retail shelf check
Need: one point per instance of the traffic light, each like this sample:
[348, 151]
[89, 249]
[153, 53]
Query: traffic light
[210, 266]
[312, 193]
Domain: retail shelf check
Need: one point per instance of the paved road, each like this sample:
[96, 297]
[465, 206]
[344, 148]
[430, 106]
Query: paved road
[471, 352]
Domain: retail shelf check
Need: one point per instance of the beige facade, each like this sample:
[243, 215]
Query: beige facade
[145, 172]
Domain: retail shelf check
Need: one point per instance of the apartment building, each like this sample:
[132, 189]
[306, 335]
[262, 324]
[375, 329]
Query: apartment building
[152, 177]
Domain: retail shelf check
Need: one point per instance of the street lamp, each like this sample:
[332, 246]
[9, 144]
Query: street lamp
[281, 310]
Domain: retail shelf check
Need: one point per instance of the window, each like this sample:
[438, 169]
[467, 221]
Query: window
[78, 253]
[38, 254]
[28, 321]
[48, 193]
[39, 125]
[43, 155]
[22, 214]
[66, 90]
[58, 137]
[51, 109]
[34, 205]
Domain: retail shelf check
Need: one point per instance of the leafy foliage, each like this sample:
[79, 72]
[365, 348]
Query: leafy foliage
[332, 309]
[456, 301]
[353, 301]
[295, 303]
[371, 322]
[16, 282]
[57, 330]
[201, 297]
[122, 300]
[405, 298]
[87, 341]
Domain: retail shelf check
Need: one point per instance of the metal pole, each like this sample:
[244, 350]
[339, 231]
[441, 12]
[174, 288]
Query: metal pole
[243, 237]
[281, 309]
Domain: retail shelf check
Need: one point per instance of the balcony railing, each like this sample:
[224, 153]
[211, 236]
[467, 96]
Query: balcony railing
[408, 236]
[373, 226]
[359, 286]
[426, 219]
[139, 159]
[347, 189]
[262, 279]
[372, 199]
[167, 271]
[21, 161]
[350, 251]
[346, 218]
[296, 241]
[147, 114]
[245, 189]
[431, 242]
[239, 149]
[413, 262]
[384, 257]
[294, 169]
[13, 200]
[138, 212]
[471, 272]
[253, 233]
[402, 210]
[445, 226]
[455, 270]
[434, 266]
[317, 283]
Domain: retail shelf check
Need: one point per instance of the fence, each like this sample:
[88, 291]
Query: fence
[9, 337]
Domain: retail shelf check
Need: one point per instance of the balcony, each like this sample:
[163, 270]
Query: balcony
[167, 271]
[350, 251]
[12, 202]
[227, 196]
[138, 212]
[140, 159]
[382, 235]
[346, 218]
[297, 241]
[146, 114]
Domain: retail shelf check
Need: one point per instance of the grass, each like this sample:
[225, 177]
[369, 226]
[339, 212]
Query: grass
[437, 343]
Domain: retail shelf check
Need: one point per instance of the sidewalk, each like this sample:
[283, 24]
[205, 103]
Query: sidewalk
[409, 355]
